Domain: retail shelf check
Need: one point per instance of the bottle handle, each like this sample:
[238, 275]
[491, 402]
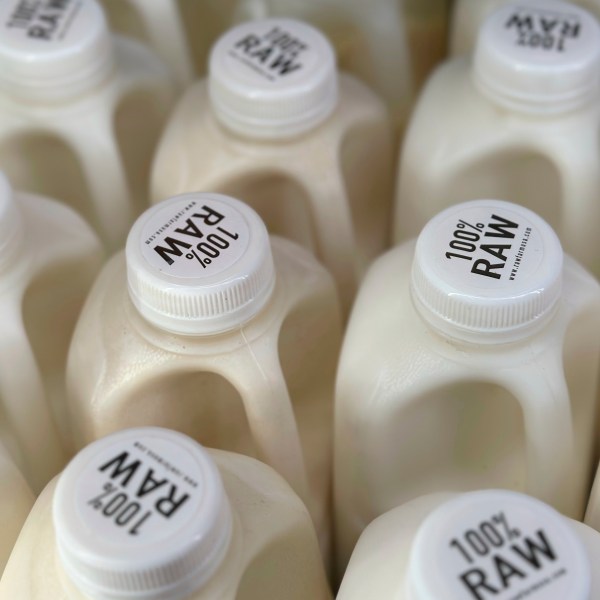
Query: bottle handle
[25, 403]
[165, 30]
[387, 43]
[580, 182]
[269, 411]
[99, 155]
[546, 406]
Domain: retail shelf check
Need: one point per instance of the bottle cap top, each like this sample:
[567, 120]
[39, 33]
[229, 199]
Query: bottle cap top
[141, 514]
[487, 271]
[199, 263]
[539, 56]
[497, 543]
[50, 51]
[272, 78]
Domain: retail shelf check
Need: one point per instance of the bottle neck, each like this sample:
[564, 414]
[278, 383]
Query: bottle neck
[52, 52]
[490, 338]
[533, 106]
[63, 87]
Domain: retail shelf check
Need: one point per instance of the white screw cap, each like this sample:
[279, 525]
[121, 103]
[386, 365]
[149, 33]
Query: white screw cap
[11, 225]
[487, 271]
[272, 78]
[539, 56]
[51, 51]
[141, 514]
[497, 543]
[199, 263]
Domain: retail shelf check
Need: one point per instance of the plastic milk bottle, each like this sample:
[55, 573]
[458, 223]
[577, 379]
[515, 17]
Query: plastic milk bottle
[150, 514]
[207, 326]
[483, 545]
[468, 15]
[520, 121]
[80, 110]
[16, 500]
[470, 361]
[392, 45]
[48, 260]
[276, 126]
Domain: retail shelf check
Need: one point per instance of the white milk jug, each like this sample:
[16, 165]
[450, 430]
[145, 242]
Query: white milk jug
[48, 260]
[80, 110]
[276, 126]
[392, 45]
[484, 545]
[208, 327]
[468, 15]
[470, 361]
[149, 514]
[521, 122]
[16, 500]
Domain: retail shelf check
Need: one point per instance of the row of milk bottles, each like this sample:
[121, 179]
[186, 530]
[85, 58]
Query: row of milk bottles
[492, 386]
[484, 339]
[149, 513]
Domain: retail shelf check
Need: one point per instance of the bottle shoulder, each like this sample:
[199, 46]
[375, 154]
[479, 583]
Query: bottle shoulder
[111, 326]
[452, 120]
[390, 534]
[393, 534]
[388, 345]
[193, 126]
[135, 68]
[265, 509]
[256, 491]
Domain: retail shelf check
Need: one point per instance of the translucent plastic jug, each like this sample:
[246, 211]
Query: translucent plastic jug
[521, 121]
[207, 326]
[480, 545]
[470, 360]
[392, 45]
[80, 111]
[148, 513]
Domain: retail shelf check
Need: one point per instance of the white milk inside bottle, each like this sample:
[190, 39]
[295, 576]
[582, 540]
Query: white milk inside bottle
[148, 514]
[276, 126]
[470, 360]
[207, 326]
[468, 15]
[16, 500]
[479, 545]
[48, 260]
[518, 121]
[80, 110]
